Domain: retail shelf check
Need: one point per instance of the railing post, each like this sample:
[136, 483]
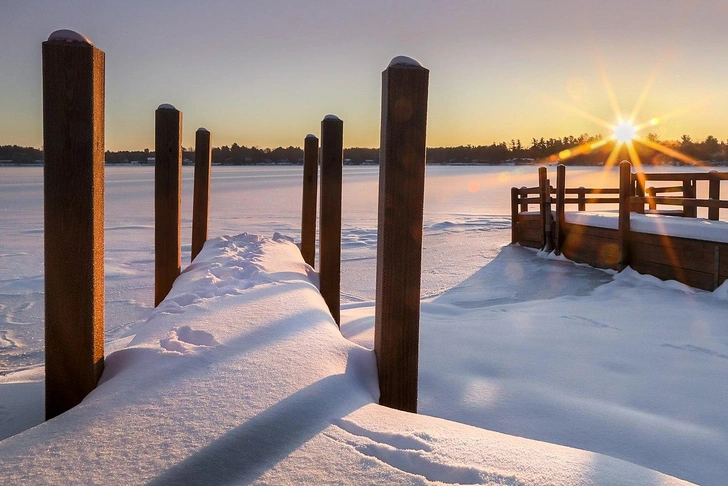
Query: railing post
[650, 193]
[625, 193]
[514, 214]
[73, 177]
[714, 194]
[399, 237]
[308, 205]
[332, 158]
[689, 192]
[581, 197]
[167, 199]
[524, 205]
[560, 206]
[638, 184]
[201, 194]
[545, 208]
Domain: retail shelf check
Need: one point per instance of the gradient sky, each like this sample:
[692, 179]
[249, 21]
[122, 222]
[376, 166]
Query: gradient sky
[265, 72]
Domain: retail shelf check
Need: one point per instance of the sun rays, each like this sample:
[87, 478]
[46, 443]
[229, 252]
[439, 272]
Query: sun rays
[625, 131]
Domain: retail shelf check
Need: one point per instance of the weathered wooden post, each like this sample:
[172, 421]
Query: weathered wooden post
[714, 194]
[332, 159]
[514, 214]
[689, 192]
[524, 194]
[581, 197]
[73, 178]
[308, 205]
[560, 206]
[625, 193]
[167, 199]
[399, 237]
[201, 194]
[545, 207]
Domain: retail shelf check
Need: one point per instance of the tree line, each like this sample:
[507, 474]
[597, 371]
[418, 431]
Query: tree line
[582, 150]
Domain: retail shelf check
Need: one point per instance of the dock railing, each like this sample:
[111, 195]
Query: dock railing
[673, 194]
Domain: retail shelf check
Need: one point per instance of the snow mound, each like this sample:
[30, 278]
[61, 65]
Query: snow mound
[241, 376]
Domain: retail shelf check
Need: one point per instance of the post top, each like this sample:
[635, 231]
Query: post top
[404, 61]
[310, 135]
[166, 106]
[203, 129]
[332, 117]
[67, 35]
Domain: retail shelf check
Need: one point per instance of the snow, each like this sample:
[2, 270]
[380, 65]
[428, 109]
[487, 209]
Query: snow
[310, 135]
[695, 228]
[332, 117]
[404, 61]
[533, 370]
[69, 36]
[203, 129]
[166, 106]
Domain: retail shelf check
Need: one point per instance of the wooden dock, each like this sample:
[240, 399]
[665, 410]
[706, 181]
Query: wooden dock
[629, 231]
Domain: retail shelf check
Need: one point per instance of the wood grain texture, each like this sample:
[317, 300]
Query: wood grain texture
[167, 201]
[332, 152]
[201, 191]
[308, 203]
[73, 140]
[399, 237]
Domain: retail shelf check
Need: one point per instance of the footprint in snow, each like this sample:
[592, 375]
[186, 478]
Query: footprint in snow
[186, 340]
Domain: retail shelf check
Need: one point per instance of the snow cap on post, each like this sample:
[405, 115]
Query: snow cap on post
[203, 129]
[66, 35]
[404, 61]
[166, 106]
[311, 135]
[331, 117]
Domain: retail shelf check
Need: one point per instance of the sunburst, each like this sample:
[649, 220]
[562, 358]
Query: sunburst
[625, 132]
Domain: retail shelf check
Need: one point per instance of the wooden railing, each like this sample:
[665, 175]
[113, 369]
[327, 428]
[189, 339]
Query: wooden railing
[612, 248]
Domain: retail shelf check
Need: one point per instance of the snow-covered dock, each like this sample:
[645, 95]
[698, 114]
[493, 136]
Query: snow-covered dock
[242, 376]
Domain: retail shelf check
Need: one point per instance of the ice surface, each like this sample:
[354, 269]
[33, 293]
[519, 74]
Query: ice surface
[404, 61]
[69, 36]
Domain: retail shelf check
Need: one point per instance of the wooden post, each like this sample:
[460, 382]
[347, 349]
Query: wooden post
[638, 184]
[201, 195]
[524, 205]
[332, 159]
[650, 192]
[714, 194]
[581, 196]
[545, 208]
[625, 192]
[167, 199]
[514, 214]
[308, 206]
[689, 192]
[560, 206]
[399, 236]
[73, 178]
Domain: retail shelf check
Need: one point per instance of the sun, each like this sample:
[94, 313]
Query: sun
[625, 132]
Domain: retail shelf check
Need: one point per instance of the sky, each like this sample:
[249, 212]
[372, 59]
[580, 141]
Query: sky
[265, 73]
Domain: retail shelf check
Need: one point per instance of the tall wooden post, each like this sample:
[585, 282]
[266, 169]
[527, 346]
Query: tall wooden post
[545, 208]
[560, 206]
[399, 237]
[73, 176]
[167, 199]
[308, 205]
[201, 194]
[714, 194]
[625, 192]
[332, 158]
[514, 214]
